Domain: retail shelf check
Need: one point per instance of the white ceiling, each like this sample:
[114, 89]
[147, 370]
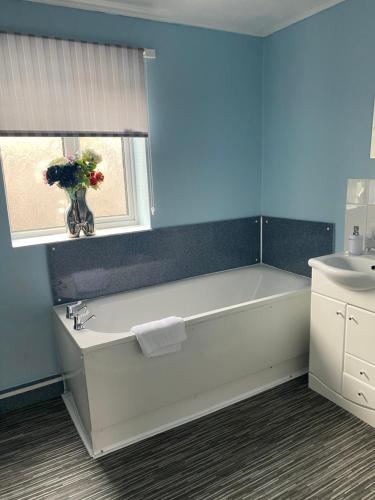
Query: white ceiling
[252, 17]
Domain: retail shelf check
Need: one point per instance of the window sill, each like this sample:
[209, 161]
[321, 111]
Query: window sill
[62, 237]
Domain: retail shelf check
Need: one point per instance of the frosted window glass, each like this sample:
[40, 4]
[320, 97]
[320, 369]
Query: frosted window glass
[110, 198]
[31, 203]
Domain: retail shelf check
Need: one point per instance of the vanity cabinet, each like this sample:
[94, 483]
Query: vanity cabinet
[342, 347]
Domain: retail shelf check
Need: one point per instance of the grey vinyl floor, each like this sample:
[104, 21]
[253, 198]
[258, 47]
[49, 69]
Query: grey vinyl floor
[285, 443]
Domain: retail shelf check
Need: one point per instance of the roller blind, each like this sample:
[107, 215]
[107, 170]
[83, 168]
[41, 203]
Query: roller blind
[64, 87]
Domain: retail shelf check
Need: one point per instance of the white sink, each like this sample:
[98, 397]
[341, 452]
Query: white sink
[353, 272]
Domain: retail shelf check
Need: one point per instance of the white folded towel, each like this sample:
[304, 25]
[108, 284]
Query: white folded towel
[160, 337]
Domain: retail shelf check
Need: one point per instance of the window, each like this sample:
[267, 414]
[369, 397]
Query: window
[36, 209]
[60, 97]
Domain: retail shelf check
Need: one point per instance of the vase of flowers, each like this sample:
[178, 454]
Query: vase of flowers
[76, 174]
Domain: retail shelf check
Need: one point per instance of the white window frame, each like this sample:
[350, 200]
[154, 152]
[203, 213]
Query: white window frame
[70, 146]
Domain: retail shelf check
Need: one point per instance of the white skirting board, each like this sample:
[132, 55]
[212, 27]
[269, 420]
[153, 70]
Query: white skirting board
[359, 411]
[265, 375]
[31, 387]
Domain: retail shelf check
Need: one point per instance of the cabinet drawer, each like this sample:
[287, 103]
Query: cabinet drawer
[360, 334]
[358, 392]
[360, 369]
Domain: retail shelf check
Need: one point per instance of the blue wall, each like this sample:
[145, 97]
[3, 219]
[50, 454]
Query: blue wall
[319, 88]
[205, 92]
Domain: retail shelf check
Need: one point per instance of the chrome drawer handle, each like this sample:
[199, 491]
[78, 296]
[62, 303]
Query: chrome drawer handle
[364, 374]
[339, 313]
[352, 318]
[361, 395]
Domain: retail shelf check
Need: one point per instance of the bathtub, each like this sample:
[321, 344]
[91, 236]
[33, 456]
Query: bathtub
[247, 330]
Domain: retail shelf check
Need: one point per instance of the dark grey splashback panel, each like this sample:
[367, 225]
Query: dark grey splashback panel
[89, 268]
[288, 244]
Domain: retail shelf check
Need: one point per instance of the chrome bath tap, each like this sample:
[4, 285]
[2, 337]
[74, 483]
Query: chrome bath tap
[73, 309]
[79, 324]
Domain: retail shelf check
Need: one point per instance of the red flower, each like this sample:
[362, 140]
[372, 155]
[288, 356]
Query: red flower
[93, 180]
[99, 177]
[95, 177]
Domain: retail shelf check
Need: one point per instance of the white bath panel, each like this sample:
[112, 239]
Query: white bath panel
[127, 433]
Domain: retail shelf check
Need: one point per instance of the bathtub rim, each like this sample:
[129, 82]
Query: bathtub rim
[260, 265]
[124, 337]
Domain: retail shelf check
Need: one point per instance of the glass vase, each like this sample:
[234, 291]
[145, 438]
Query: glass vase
[78, 215]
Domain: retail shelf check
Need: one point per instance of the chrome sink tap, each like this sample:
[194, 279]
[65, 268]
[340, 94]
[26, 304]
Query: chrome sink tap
[79, 324]
[73, 309]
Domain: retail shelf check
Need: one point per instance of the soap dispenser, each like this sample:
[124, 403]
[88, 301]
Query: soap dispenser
[355, 242]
